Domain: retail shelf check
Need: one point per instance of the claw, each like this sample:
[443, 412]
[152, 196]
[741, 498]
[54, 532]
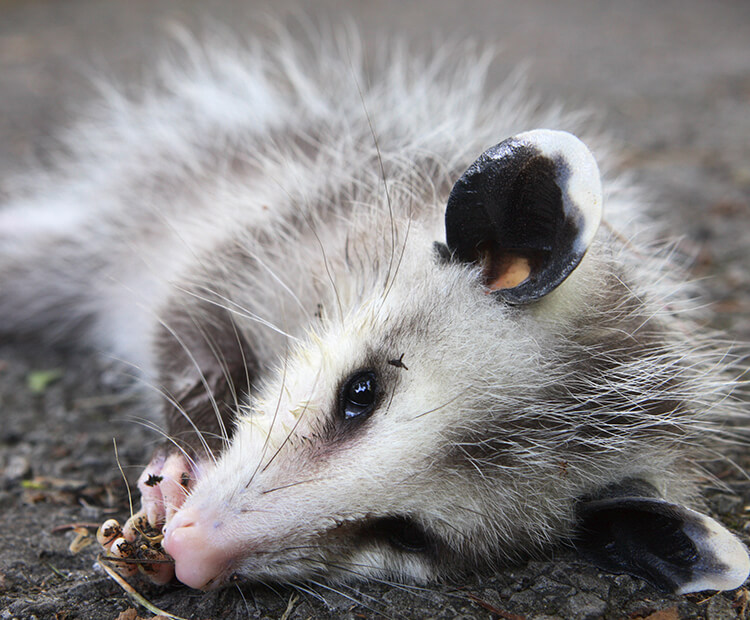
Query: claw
[154, 567]
[107, 533]
[121, 548]
[136, 526]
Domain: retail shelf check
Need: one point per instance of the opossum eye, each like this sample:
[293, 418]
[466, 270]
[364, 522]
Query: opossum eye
[526, 211]
[358, 395]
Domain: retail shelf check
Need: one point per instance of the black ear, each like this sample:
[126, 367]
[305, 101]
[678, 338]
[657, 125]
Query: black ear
[526, 210]
[674, 548]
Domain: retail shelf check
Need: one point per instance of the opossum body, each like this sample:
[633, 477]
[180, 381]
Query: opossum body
[400, 363]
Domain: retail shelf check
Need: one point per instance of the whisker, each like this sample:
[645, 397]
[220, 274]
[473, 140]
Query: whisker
[235, 308]
[205, 384]
[170, 398]
[423, 592]
[254, 511]
[273, 420]
[350, 598]
[219, 356]
[443, 405]
[311, 592]
[291, 484]
[152, 426]
[294, 428]
[326, 266]
[257, 258]
[401, 255]
[383, 175]
[244, 600]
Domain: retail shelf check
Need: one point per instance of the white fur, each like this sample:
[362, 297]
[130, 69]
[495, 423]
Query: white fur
[333, 185]
[582, 190]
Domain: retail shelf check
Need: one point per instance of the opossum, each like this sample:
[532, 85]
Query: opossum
[401, 327]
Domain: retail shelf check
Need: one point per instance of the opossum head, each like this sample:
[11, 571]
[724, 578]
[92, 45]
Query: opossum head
[472, 405]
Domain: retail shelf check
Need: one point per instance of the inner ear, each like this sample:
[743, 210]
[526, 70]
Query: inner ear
[526, 211]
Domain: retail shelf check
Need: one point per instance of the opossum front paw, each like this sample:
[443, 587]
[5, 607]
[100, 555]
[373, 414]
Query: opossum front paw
[140, 552]
[164, 485]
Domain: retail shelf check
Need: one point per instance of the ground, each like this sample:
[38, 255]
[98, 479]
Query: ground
[669, 80]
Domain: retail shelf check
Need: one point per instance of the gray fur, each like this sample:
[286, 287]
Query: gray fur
[261, 225]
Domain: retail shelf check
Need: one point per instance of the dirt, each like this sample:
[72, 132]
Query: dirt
[671, 81]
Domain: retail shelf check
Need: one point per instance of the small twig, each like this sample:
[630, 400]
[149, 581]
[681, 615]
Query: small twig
[122, 473]
[116, 560]
[72, 526]
[57, 571]
[499, 612]
[290, 607]
[130, 591]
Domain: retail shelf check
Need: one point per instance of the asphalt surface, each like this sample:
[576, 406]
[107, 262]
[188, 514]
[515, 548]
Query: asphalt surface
[669, 80]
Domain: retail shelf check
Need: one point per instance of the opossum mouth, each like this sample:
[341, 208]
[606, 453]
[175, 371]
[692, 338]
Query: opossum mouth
[207, 557]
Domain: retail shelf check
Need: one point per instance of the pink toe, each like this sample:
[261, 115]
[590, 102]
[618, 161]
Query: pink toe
[176, 481]
[161, 575]
[149, 484]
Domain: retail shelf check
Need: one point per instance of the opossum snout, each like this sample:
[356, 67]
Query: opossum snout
[200, 551]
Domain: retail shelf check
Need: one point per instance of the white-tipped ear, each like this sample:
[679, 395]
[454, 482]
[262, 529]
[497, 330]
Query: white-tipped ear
[578, 178]
[527, 211]
[724, 563]
[673, 547]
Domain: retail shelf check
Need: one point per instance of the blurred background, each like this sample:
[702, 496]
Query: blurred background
[670, 79]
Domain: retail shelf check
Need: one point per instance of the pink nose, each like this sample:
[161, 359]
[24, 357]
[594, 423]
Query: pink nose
[194, 539]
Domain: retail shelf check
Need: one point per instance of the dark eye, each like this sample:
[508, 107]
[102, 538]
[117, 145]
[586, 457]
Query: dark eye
[358, 395]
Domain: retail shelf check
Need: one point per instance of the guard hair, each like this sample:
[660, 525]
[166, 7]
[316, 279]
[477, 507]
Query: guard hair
[260, 228]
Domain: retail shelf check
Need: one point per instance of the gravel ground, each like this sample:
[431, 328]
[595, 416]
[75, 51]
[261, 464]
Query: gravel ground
[671, 82]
